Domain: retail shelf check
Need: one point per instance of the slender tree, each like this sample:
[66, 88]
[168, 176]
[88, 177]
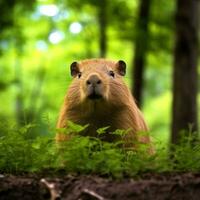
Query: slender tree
[185, 68]
[102, 18]
[141, 46]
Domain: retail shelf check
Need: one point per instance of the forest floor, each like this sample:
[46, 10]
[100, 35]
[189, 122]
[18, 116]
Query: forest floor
[184, 186]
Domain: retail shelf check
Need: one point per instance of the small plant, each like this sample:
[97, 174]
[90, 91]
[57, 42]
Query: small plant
[186, 155]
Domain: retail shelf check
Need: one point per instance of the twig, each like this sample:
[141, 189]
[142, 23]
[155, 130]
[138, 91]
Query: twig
[55, 194]
[93, 194]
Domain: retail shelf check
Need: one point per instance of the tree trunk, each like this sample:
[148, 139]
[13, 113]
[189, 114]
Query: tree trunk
[141, 46]
[185, 68]
[102, 28]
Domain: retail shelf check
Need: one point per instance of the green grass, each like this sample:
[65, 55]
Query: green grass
[19, 153]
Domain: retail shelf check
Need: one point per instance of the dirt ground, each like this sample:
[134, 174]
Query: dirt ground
[185, 186]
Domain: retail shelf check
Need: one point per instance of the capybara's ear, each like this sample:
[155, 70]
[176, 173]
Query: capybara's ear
[121, 67]
[74, 69]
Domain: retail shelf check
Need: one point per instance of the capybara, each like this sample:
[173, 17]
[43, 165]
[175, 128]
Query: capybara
[99, 97]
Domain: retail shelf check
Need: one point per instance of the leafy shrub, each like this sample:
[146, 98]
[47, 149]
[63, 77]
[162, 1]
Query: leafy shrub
[82, 154]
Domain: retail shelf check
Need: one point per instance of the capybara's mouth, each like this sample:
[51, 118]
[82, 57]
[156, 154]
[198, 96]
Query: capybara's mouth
[94, 96]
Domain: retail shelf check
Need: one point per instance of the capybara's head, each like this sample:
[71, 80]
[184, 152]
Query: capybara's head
[98, 79]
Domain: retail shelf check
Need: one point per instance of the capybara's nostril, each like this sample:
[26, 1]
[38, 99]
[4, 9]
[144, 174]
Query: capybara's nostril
[99, 82]
[88, 82]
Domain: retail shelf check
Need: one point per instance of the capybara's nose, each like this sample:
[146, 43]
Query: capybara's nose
[93, 80]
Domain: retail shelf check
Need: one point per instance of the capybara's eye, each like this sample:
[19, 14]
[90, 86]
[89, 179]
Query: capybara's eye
[111, 73]
[79, 75]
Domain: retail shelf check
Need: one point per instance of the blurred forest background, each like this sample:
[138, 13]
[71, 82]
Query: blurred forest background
[39, 39]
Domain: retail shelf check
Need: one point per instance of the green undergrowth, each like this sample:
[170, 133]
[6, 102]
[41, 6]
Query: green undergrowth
[21, 153]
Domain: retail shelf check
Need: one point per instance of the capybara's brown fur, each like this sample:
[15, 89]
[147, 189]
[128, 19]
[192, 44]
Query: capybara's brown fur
[99, 97]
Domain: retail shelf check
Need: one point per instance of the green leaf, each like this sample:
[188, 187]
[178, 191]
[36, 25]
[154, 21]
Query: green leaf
[76, 127]
[121, 132]
[103, 130]
[25, 128]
